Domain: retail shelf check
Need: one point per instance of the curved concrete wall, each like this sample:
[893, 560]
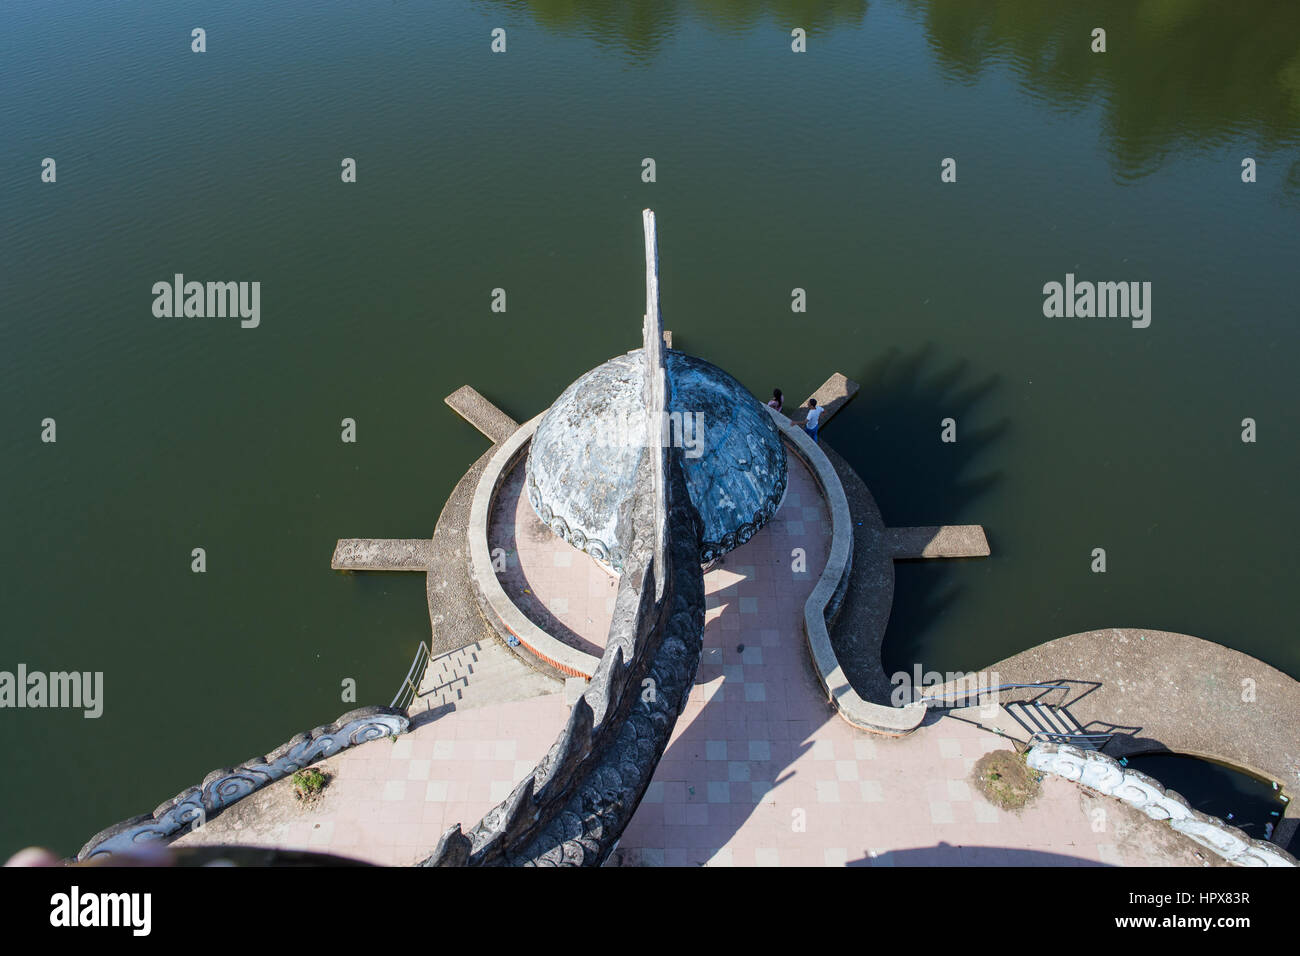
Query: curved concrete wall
[823, 601]
[502, 613]
[1104, 774]
[507, 618]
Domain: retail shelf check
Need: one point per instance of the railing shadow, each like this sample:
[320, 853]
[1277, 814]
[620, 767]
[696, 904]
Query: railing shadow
[1090, 731]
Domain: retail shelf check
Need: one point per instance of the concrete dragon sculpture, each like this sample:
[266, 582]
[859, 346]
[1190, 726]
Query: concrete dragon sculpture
[572, 808]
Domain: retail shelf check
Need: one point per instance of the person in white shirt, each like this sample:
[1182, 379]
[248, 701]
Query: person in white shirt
[814, 416]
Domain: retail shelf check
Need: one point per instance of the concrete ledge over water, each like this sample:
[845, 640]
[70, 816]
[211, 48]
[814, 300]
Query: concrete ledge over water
[836, 392]
[482, 414]
[944, 541]
[382, 554]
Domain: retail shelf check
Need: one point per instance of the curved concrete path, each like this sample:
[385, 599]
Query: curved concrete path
[1159, 690]
[760, 769]
[454, 616]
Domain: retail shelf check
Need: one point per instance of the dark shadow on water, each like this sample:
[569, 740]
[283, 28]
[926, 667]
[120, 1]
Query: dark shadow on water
[891, 435]
[916, 478]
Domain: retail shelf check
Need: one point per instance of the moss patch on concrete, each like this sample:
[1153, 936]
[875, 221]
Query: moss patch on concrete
[308, 784]
[1005, 780]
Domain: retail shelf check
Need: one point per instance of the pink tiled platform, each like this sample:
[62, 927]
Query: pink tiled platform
[759, 772]
[756, 791]
[388, 801]
[562, 590]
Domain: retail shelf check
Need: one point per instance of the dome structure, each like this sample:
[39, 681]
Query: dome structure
[583, 458]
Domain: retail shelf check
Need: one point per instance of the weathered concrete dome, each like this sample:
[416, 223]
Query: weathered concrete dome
[583, 458]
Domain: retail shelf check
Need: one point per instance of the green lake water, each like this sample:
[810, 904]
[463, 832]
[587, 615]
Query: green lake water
[522, 170]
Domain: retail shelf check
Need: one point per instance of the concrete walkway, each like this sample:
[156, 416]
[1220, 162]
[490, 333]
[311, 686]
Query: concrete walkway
[470, 405]
[382, 554]
[759, 771]
[1158, 690]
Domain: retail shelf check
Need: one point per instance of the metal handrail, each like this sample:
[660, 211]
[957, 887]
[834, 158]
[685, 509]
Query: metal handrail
[407, 692]
[1052, 736]
[1069, 735]
[984, 690]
